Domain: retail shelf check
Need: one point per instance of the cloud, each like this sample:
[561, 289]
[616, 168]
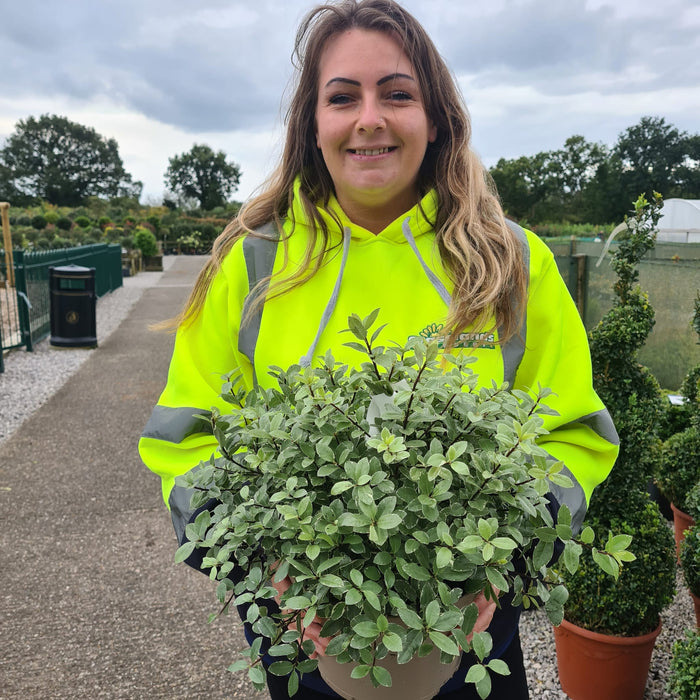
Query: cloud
[160, 75]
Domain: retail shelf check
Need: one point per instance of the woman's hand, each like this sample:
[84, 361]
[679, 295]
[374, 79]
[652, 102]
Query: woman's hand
[313, 631]
[486, 608]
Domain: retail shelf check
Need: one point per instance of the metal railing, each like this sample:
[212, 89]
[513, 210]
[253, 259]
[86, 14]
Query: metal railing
[25, 307]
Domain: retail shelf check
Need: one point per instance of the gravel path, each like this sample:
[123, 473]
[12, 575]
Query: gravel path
[30, 379]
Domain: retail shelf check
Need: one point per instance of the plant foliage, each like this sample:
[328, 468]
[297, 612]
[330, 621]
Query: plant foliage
[385, 493]
[685, 667]
[690, 559]
[630, 606]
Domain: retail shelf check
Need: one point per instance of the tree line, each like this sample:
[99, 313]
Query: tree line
[55, 160]
[586, 182]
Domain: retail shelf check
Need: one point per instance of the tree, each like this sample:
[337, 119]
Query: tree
[54, 159]
[655, 156]
[203, 175]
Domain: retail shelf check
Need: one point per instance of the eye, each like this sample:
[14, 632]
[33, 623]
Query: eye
[400, 95]
[341, 99]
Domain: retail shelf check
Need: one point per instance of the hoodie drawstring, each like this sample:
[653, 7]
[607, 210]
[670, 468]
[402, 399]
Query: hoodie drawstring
[434, 279]
[305, 361]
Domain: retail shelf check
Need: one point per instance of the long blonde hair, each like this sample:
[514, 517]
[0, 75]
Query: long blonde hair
[480, 253]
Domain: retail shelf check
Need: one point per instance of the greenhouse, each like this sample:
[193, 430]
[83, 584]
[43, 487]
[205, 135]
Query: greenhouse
[680, 221]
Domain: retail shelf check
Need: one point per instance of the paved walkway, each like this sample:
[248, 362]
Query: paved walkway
[91, 603]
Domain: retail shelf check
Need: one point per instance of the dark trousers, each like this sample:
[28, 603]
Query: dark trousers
[513, 687]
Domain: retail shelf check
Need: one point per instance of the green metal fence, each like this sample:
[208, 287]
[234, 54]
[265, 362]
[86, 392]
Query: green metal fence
[25, 308]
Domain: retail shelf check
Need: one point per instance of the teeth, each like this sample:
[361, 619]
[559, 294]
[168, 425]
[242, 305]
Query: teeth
[371, 151]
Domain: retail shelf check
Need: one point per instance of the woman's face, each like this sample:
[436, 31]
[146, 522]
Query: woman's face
[371, 125]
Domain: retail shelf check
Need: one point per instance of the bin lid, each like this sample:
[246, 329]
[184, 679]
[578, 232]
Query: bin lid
[74, 269]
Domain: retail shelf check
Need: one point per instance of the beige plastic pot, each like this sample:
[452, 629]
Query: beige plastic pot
[420, 679]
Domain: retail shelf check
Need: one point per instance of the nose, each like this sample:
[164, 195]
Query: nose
[371, 116]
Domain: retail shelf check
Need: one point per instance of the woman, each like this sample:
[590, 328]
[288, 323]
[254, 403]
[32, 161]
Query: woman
[379, 202]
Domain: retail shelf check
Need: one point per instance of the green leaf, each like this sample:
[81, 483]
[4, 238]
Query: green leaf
[312, 551]
[293, 684]
[496, 578]
[476, 673]
[184, 551]
[340, 487]
[417, 572]
[432, 612]
[371, 598]
[444, 643]
[411, 619]
[256, 675]
[332, 581]
[381, 676]
[325, 452]
[360, 671]
[482, 644]
[353, 597]
[443, 558]
[297, 602]
[499, 666]
[281, 668]
[389, 521]
[587, 535]
[368, 630]
[618, 543]
[238, 665]
[392, 642]
[483, 687]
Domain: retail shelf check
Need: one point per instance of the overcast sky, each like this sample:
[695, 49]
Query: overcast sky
[162, 75]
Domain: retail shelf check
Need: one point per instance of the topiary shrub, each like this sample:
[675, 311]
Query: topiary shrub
[51, 217]
[684, 680]
[690, 559]
[83, 222]
[145, 241]
[679, 468]
[39, 222]
[633, 397]
[64, 223]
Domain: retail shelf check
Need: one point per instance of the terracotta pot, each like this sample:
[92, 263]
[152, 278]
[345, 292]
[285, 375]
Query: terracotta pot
[681, 522]
[696, 603]
[596, 666]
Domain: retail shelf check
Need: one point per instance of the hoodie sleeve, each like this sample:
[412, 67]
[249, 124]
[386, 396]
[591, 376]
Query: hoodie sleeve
[178, 435]
[556, 355]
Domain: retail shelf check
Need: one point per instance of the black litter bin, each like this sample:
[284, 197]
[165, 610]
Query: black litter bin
[73, 306]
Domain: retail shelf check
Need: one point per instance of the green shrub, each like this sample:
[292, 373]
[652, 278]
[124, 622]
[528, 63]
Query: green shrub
[103, 221]
[51, 217]
[629, 606]
[42, 243]
[684, 680]
[621, 503]
[145, 241]
[690, 559]
[39, 222]
[83, 222]
[680, 466]
[64, 223]
[24, 220]
[127, 242]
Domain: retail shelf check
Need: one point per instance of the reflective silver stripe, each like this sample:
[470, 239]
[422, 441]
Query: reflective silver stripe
[176, 424]
[180, 510]
[600, 423]
[513, 350]
[573, 497]
[259, 253]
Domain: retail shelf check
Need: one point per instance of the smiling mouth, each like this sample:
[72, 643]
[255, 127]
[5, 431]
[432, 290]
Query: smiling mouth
[371, 151]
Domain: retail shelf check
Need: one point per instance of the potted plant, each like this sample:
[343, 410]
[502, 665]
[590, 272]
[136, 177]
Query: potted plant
[680, 458]
[684, 680]
[690, 552]
[384, 494]
[623, 613]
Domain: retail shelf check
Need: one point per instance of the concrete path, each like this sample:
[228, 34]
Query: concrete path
[91, 603]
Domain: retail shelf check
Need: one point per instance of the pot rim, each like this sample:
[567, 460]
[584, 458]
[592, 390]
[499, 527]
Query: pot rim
[610, 638]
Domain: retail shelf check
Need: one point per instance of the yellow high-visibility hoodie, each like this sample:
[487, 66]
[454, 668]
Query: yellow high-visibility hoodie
[399, 271]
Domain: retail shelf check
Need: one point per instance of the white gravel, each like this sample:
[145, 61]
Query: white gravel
[31, 378]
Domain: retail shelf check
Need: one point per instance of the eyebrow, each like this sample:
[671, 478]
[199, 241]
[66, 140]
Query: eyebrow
[381, 81]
